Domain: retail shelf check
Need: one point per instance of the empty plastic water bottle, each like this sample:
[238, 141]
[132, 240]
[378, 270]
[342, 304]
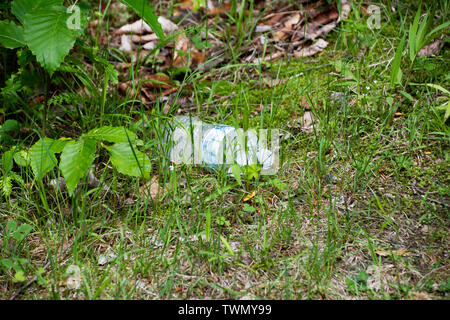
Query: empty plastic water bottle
[192, 141]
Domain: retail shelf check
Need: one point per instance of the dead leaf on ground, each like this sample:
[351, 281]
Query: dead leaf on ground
[318, 46]
[401, 253]
[431, 49]
[150, 189]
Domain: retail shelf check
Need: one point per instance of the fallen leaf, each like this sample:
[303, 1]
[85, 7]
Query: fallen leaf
[249, 196]
[318, 46]
[138, 27]
[150, 189]
[431, 49]
[167, 25]
[401, 253]
[307, 122]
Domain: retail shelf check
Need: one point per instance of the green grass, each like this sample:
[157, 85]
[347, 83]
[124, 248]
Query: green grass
[364, 180]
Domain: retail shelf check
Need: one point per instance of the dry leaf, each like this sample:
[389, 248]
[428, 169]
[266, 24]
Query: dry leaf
[307, 122]
[401, 253]
[158, 81]
[145, 38]
[138, 27]
[150, 189]
[167, 25]
[431, 49]
[249, 196]
[125, 43]
[318, 46]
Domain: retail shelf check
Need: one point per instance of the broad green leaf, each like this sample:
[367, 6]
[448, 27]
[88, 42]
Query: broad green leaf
[10, 125]
[111, 134]
[12, 226]
[143, 9]
[76, 158]
[22, 158]
[11, 35]
[42, 155]
[7, 161]
[22, 232]
[48, 36]
[21, 7]
[129, 161]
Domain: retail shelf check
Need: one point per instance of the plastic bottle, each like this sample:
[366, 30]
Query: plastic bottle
[193, 141]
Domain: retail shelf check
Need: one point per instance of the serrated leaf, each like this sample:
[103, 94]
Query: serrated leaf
[11, 226]
[11, 35]
[129, 161]
[111, 134]
[6, 186]
[143, 9]
[42, 155]
[21, 7]
[7, 161]
[76, 158]
[22, 158]
[48, 36]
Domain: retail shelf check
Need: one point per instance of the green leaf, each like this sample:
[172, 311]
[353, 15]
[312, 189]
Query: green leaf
[22, 232]
[396, 73]
[11, 35]
[143, 9]
[438, 87]
[22, 158]
[10, 125]
[48, 36]
[7, 263]
[236, 170]
[76, 158]
[111, 134]
[129, 161]
[11, 226]
[21, 7]
[446, 107]
[412, 36]
[6, 186]
[42, 155]
[7, 161]
[19, 277]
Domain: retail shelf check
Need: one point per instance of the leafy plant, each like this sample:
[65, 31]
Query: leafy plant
[13, 236]
[7, 175]
[78, 155]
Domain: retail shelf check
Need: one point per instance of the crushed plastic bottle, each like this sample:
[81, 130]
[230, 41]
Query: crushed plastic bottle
[192, 141]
